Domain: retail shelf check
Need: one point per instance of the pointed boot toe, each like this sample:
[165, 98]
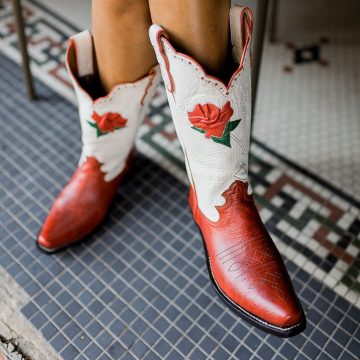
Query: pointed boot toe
[213, 121]
[80, 207]
[245, 266]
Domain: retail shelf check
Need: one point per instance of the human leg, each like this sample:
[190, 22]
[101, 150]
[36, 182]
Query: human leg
[121, 41]
[198, 28]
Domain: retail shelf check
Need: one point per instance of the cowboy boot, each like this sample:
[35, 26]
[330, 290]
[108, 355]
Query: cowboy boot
[212, 121]
[109, 125]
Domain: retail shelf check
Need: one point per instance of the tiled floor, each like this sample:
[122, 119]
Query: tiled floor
[139, 288]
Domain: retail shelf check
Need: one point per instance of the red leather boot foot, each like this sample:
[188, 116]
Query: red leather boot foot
[80, 207]
[213, 121]
[245, 266]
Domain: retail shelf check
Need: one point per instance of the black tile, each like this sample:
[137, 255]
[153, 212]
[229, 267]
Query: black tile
[115, 350]
[61, 319]
[208, 345]
[94, 328]
[152, 356]
[96, 307]
[150, 336]
[198, 355]
[39, 320]
[230, 343]
[29, 309]
[333, 349]
[128, 338]
[244, 353]
[161, 324]
[117, 327]
[73, 308]
[162, 347]
[72, 330]
[104, 339]
[70, 352]
[49, 330]
[92, 352]
[142, 286]
[82, 341]
[311, 350]
[59, 342]
[220, 354]
[173, 335]
[139, 349]
[106, 317]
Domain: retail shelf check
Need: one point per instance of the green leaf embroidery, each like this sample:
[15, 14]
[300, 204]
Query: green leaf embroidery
[98, 131]
[232, 125]
[198, 129]
[225, 139]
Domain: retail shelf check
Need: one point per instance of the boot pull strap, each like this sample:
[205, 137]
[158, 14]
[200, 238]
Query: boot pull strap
[84, 53]
[157, 33]
[241, 26]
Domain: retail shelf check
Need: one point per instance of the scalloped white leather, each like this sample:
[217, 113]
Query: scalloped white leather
[211, 167]
[131, 100]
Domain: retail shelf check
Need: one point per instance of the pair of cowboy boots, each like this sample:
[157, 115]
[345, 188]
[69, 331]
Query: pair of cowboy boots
[212, 121]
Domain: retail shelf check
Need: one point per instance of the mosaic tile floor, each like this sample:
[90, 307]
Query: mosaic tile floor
[139, 289]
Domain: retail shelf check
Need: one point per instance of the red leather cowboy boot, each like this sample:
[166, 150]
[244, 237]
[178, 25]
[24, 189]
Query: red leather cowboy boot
[212, 120]
[109, 125]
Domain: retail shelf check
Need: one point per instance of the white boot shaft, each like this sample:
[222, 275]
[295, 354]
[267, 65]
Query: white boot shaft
[109, 124]
[212, 120]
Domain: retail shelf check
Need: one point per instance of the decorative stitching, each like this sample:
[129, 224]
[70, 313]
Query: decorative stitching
[107, 123]
[248, 313]
[214, 122]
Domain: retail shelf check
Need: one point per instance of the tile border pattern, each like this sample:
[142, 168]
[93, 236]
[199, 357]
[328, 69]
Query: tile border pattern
[314, 224]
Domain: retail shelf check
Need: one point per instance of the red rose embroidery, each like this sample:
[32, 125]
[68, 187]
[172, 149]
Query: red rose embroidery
[211, 119]
[109, 121]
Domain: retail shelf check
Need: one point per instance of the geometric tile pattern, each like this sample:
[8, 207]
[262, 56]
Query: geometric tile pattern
[314, 224]
[139, 288]
[310, 110]
[315, 227]
[47, 38]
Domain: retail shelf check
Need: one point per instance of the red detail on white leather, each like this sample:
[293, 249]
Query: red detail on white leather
[130, 99]
[109, 122]
[210, 118]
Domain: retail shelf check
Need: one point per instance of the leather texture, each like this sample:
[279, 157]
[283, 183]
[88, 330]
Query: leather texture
[212, 121]
[129, 100]
[244, 261]
[80, 207]
[212, 167]
[109, 125]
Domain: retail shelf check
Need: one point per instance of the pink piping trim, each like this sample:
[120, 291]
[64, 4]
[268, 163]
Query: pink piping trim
[72, 43]
[162, 33]
[152, 74]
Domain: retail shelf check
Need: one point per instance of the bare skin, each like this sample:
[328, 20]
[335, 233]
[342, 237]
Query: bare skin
[199, 28]
[121, 40]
